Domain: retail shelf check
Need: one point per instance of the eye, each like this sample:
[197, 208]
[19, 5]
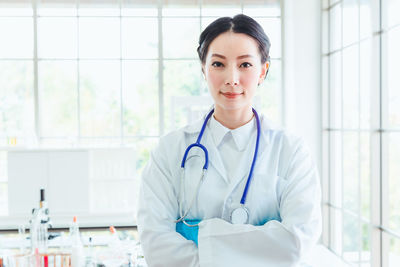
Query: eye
[245, 65]
[217, 64]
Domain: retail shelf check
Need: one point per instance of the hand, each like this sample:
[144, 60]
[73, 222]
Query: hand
[189, 232]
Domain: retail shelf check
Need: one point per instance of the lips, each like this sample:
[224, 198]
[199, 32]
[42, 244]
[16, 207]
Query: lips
[231, 95]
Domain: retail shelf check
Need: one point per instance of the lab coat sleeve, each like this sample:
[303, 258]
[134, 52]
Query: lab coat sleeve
[275, 243]
[158, 208]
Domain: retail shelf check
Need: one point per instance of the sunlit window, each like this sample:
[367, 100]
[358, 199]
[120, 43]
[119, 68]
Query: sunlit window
[361, 147]
[78, 74]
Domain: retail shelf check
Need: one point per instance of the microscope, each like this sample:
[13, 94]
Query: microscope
[39, 225]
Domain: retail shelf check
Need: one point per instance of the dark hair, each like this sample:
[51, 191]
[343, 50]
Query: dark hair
[238, 24]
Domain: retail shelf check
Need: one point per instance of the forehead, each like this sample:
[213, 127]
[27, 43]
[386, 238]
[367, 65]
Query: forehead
[236, 44]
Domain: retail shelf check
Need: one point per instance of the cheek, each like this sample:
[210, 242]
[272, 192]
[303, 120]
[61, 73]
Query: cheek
[214, 79]
[250, 78]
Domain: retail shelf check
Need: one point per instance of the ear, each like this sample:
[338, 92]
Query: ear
[264, 70]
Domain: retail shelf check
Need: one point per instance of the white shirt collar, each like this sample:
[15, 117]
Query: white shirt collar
[240, 135]
[218, 131]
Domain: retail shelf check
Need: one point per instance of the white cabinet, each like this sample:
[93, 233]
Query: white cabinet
[64, 175]
[98, 185]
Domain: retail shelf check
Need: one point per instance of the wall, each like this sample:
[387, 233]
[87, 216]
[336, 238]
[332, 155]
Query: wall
[301, 54]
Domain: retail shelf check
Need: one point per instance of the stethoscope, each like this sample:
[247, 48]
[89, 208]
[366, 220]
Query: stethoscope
[239, 215]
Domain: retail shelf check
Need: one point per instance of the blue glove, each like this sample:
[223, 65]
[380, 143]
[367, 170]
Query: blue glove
[190, 233]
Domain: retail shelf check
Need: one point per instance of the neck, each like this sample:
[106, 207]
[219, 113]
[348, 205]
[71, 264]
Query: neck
[233, 119]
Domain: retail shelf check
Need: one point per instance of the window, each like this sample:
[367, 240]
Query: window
[109, 74]
[360, 96]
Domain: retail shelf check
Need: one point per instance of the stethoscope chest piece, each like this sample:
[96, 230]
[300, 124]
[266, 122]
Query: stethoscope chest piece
[240, 215]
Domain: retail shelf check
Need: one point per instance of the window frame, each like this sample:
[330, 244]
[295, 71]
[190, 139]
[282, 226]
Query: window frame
[379, 233]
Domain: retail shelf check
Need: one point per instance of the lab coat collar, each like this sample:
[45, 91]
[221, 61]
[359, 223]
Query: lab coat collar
[266, 127]
[213, 154]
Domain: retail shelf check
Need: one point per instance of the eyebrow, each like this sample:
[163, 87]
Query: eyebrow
[223, 57]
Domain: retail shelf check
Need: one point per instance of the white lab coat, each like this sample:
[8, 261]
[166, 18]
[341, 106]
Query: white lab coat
[283, 202]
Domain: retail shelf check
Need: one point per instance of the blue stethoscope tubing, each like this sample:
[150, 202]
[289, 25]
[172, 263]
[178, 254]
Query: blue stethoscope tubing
[242, 211]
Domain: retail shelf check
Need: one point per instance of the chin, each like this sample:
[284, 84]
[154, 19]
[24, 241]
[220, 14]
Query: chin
[233, 106]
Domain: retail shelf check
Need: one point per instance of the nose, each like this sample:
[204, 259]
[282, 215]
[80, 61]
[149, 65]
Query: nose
[232, 77]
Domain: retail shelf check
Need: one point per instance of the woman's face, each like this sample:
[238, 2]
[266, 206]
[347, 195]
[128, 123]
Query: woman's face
[233, 70]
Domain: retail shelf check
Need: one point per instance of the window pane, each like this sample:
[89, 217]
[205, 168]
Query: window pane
[336, 27]
[394, 252]
[140, 97]
[100, 142]
[350, 87]
[205, 21]
[99, 37]
[366, 25]
[181, 79]
[350, 22]
[325, 32]
[56, 8]
[336, 90]
[21, 8]
[262, 9]
[367, 78]
[58, 102]
[365, 176]
[351, 238]
[336, 169]
[100, 98]
[139, 8]
[181, 8]
[272, 28]
[325, 179]
[71, 141]
[337, 231]
[393, 78]
[144, 47]
[390, 13]
[325, 91]
[221, 8]
[174, 45]
[16, 99]
[99, 8]
[394, 181]
[350, 171]
[57, 38]
[143, 148]
[366, 244]
[268, 95]
[16, 37]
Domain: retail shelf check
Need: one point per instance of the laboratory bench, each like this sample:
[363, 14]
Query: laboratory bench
[10, 240]
[95, 242]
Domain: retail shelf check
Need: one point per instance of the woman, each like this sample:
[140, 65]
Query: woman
[258, 203]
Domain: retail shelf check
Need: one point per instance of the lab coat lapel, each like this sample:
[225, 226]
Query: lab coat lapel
[245, 165]
[214, 158]
[264, 140]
